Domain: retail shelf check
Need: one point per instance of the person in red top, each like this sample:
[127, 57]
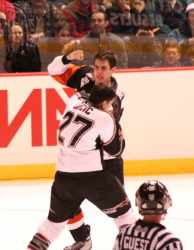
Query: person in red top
[7, 14]
[78, 14]
[8, 10]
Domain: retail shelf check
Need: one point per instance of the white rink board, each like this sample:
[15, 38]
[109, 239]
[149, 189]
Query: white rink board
[158, 119]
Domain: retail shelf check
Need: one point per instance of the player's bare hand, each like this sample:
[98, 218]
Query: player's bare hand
[76, 55]
[69, 47]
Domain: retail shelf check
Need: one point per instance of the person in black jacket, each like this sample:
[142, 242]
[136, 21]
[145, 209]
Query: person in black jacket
[21, 54]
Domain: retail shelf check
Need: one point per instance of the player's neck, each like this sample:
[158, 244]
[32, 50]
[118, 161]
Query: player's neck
[153, 218]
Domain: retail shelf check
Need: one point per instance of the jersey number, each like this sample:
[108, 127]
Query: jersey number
[70, 117]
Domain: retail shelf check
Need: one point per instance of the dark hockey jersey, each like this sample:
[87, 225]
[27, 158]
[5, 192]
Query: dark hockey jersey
[80, 78]
[146, 236]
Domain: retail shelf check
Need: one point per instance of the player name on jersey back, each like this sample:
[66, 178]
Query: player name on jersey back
[80, 128]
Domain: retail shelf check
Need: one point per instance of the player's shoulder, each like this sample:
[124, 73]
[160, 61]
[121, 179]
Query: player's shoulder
[84, 74]
[103, 116]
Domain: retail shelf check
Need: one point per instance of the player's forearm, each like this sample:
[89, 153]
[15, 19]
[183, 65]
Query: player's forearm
[58, 66]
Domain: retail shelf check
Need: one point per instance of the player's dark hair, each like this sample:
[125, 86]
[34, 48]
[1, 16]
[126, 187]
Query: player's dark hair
[106, 55]
[101, 93]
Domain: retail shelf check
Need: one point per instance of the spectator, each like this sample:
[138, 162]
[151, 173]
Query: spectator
[187, 29]
[8, 10]
[21, 17]
[188, 53]
[21, 55]
[171, 54]
[119, 17]
[145, 19]
[58, 13]
[143, 50]
[63, 34]
[7, 14]
[189, 25]
[40, 18]
[173, 12]
[58, 42]
[78, 14]
[153, 201]
[98, 40]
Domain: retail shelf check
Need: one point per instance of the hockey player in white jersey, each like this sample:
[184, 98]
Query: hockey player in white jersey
[86, 131]
[153, 201]
[66, 71]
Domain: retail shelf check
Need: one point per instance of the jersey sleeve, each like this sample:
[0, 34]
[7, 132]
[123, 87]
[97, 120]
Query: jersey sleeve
[61, 69]
[113, 142]
[70, 74]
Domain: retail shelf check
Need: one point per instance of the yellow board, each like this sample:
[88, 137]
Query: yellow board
[132, 167]
[34, 171]
[159, 167]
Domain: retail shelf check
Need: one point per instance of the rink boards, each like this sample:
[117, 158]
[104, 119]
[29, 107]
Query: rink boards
[158, 122]
[132, 168]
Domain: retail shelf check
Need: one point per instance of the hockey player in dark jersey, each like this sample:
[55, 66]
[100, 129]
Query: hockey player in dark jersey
[153, 201]
[83, 78]
[86, 130]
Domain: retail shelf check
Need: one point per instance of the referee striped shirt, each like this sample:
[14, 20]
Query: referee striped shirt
[146, 236]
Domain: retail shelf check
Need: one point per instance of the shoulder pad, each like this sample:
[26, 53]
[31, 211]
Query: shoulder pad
[85, 80]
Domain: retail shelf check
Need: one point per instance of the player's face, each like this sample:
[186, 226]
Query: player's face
[102, 72]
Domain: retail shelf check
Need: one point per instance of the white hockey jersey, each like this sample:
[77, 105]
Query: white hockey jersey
[81, 129]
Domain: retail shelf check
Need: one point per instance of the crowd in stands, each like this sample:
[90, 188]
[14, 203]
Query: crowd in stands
[141, 33]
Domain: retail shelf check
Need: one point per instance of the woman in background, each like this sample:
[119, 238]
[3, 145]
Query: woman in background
[21, 54]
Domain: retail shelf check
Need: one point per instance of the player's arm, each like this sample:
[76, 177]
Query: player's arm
[112, 137]
[62, 69]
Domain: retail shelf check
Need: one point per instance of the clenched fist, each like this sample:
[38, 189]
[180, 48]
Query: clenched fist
[76, 55]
